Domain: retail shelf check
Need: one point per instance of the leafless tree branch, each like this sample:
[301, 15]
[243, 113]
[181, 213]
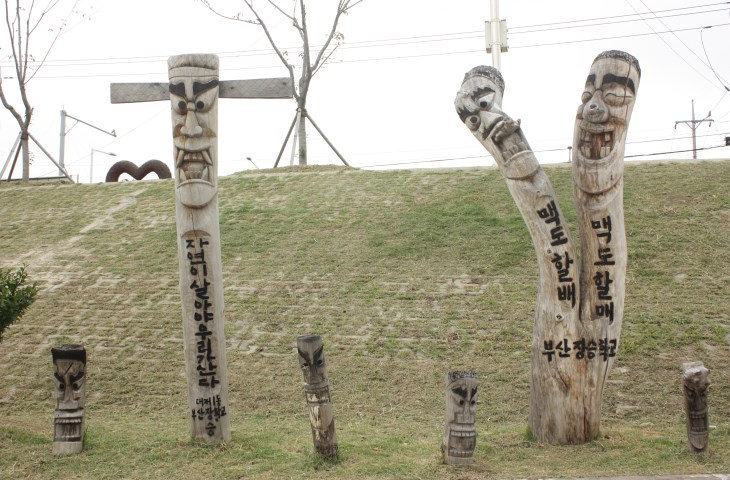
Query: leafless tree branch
[300, 89]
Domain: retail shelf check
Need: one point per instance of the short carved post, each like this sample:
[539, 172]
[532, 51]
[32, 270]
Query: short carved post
[460, 435]
[580, 301]
[69, 370]
[194, 97]
[316, 388]
[696, 380]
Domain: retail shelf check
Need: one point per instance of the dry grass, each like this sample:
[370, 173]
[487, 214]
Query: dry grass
[406, 274]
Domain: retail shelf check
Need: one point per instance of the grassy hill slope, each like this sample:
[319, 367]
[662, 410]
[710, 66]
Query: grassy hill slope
[405, 274]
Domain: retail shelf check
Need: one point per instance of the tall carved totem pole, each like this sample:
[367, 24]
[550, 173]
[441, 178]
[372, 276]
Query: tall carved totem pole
[579, 301]
[193, 91]
[194, 99]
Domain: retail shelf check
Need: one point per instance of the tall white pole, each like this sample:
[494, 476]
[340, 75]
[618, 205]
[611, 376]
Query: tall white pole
[496, 34]
[694, 136]
[62, 146]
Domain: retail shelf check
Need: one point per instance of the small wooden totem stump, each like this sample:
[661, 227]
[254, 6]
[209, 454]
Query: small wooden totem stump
[696, 381]
[460, 434]
[316, 388]
[69, 365]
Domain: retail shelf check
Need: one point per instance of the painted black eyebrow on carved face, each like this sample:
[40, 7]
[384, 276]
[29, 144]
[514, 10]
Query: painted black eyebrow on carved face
[611, 78]
[460, 391]
[199, 88]
[464, 112]
[481, 91]
[591, 79]
[178, 89]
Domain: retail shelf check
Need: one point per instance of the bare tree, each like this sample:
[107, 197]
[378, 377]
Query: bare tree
[22, 22]
[311, 63]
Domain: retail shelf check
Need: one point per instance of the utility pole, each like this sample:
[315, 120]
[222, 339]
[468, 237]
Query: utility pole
[693, 124]
[496, 35]
[62, 145]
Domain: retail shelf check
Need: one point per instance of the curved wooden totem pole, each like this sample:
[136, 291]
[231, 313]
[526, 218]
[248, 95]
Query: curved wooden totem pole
[579, 301]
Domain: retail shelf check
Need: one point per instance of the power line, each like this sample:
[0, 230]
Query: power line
[616, 22]
[488, 156]
[709, 64]
[614, 37]
[620, 16]
[675, 36]
[403, 57]
[675, 151]
[388, 42]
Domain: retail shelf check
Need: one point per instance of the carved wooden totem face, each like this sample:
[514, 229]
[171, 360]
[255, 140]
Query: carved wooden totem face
[313, 366]
[194, 97]
[69, 363]
[461, 407]
[479, 100]
[696, 382]
[606, 105]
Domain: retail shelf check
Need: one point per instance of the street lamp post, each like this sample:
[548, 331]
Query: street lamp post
[91, 167]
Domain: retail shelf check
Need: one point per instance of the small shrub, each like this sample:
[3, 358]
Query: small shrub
[16, 295]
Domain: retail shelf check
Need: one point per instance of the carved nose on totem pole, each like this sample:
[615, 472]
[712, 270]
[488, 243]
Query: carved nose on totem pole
[310, 350]
[69, 371]
[596, 110]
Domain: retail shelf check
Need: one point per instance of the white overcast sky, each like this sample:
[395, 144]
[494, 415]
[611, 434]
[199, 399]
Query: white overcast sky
[386, 99]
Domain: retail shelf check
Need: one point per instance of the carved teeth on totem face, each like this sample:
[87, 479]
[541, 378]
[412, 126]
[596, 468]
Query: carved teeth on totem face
[69, 429]
[460, 453]
[596, 140]
[193, 165]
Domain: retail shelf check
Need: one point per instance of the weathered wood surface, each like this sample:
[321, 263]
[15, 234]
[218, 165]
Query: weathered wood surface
[598, 156]
[69, 371]
[460, 434]
[193, 90]
[695, 383]
[194, 98]
[310, 350]
[579, 304]
[249, 88]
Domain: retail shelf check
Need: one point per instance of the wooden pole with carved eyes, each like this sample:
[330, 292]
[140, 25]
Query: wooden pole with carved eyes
[69, 365]
[695, 383]
[310, 349]
[194, 98]
[460, 435]
[579, 310]
[194, 90]
[599, 140]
